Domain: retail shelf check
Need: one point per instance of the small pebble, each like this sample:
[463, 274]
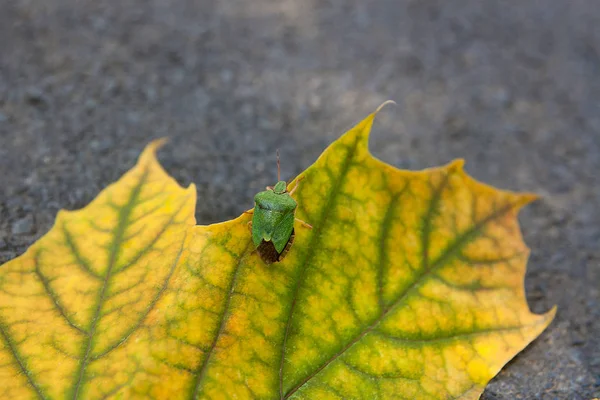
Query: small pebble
[35, 96]
[23, 226]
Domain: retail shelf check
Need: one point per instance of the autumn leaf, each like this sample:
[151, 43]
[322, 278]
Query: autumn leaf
[410, 286]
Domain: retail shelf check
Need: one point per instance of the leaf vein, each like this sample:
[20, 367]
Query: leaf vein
[20, 361]
[451, 250]
[53, 295]
[318, 228]
[201, 370]
[81, 262]
[449, 338]
[121, 341]
[386, 226]
[118, 233]
[162, 231]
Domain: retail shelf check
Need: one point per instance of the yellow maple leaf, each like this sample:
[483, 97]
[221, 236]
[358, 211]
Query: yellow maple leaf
[409, 286]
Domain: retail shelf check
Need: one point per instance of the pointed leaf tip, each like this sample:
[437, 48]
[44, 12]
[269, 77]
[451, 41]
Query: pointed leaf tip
[529, 198]
[362, 130]
[385, 103]
[457, 165]
[149, 152]
[551, 314]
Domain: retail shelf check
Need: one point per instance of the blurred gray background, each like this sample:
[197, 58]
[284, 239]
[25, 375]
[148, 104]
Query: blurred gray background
[512, 87]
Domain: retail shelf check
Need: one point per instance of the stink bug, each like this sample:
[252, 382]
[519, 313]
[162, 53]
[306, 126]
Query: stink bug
[272, 224]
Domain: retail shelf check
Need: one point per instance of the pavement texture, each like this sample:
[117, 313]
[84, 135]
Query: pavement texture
[512, 87]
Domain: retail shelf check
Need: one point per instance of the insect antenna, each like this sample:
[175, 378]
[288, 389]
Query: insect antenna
[278, 167]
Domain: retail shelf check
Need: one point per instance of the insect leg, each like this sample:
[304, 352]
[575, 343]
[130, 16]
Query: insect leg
[304, 224]
[296, 185]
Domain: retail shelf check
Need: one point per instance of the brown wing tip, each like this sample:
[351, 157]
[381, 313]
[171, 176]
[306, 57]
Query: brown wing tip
[266, 251]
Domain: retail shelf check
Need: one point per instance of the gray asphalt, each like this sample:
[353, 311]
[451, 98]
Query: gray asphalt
[512, 87]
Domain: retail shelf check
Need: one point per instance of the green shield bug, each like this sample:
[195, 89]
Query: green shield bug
[272, 224]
